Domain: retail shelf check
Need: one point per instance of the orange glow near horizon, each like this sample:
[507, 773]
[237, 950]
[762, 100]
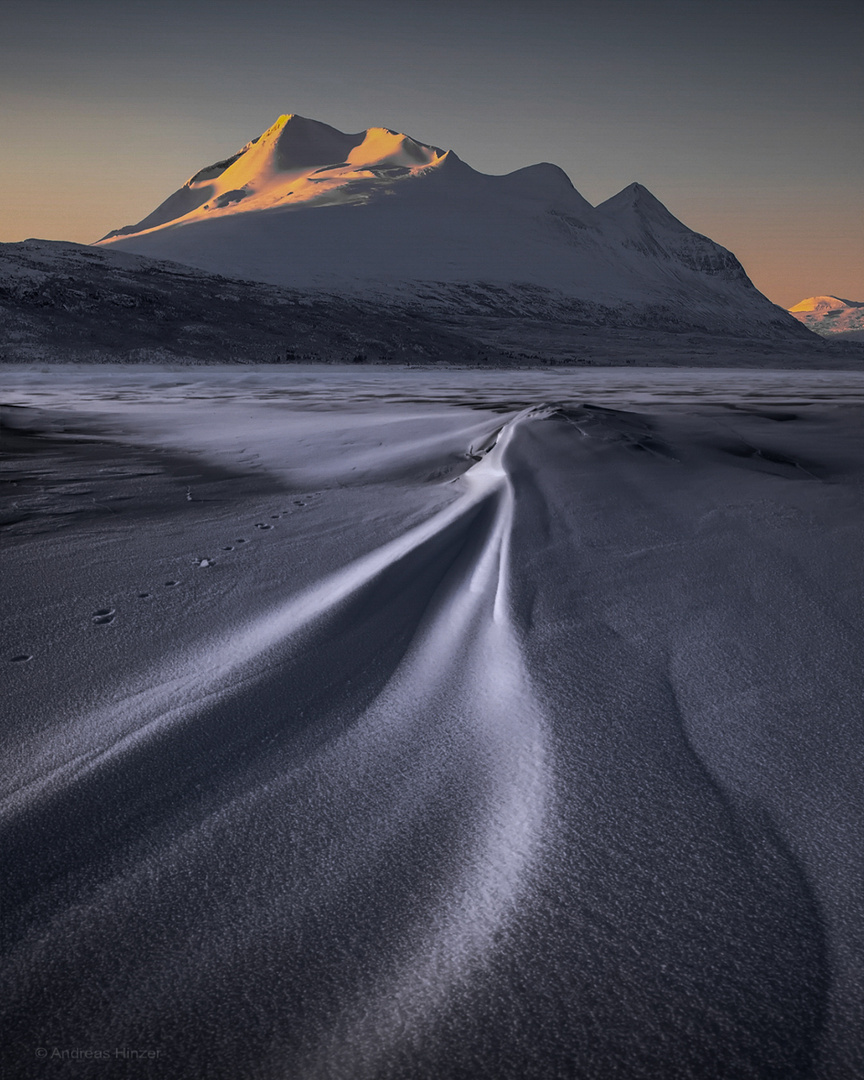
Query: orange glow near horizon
[745, 128]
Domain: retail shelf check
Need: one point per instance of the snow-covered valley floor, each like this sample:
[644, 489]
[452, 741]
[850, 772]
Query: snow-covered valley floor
[432, 724]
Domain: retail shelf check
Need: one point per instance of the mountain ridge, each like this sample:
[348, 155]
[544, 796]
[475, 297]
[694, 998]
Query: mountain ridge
[291, 153]
[73, 303]
[380, 215]
[489, 267]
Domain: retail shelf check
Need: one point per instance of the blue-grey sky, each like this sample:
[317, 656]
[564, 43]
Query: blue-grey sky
[745, 117]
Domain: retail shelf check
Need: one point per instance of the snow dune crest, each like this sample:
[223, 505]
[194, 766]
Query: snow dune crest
[469, 650]
[462, 672]
[506, 741]
[180, 693]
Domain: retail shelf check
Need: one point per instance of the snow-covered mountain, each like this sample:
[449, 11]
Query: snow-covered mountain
[830, 316]
[378, 214]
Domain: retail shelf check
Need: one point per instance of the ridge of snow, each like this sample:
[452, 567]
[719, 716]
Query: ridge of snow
[637, 198]
[646, 225]
[636, 210]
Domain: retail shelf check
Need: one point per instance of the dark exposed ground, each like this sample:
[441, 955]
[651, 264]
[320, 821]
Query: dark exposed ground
[64, 302]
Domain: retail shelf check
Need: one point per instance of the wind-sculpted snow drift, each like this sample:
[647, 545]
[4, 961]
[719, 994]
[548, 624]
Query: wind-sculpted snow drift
[392, 738]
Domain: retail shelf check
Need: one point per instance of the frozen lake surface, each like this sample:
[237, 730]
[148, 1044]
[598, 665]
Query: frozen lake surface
[443, 724]
[326, 385]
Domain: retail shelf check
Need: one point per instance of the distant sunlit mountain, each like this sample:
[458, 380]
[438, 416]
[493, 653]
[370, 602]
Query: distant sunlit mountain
[831, 316]
[379, 214]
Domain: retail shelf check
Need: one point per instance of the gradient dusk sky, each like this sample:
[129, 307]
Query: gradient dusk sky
[745, 117]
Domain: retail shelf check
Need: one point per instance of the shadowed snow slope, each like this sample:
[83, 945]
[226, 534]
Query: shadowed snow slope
[381, 728]
[307, 206]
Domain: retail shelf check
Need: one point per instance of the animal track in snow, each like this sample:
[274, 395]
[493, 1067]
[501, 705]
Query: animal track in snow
[103, 616]
[20, 658]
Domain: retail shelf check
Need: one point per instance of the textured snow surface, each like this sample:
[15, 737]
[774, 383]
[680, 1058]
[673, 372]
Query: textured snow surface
[407, 724]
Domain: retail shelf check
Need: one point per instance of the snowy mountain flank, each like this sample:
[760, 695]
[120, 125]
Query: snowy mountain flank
[62, 301]
[381, 215]
[831, 316]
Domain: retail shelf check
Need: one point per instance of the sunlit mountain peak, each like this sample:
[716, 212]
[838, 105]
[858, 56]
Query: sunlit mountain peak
[295, 162]
[831, 316]
[824, 303]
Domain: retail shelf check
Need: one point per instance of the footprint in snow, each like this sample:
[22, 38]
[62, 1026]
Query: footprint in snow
[170, 584]
[103, 616]
[20, 658]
